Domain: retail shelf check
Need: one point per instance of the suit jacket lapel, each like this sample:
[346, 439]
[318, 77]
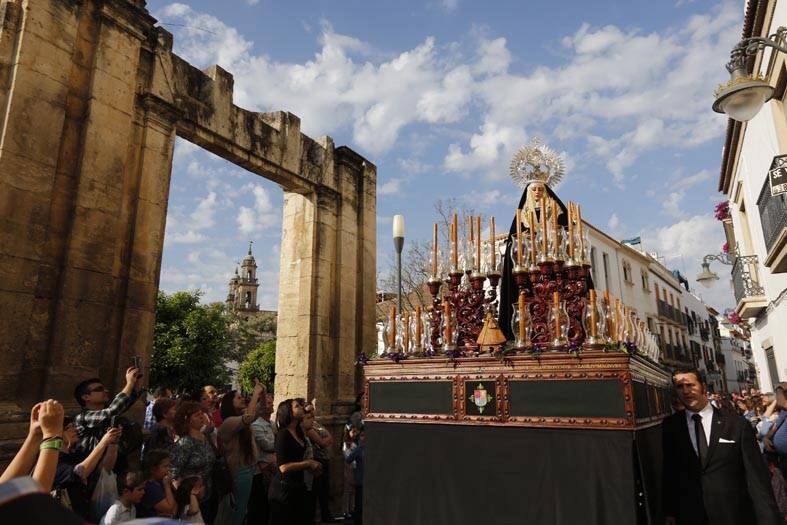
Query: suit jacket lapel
[717, 422]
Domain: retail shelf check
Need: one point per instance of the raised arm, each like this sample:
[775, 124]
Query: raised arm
[26, 455]
[259, 390]
[51, 417]
[89, 464]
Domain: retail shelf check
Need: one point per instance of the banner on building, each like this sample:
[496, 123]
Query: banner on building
[778, 175]
[632, 241]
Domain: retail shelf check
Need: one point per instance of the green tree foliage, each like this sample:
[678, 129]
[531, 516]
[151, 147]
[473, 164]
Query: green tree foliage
[248, 332]
[259, 364]
[191, 342]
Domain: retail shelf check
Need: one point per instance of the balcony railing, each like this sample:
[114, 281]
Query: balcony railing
[744, 277]
[773, 214]
[704, 334]
[749, 293]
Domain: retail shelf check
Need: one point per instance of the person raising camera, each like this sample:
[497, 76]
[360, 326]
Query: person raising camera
[92, 396]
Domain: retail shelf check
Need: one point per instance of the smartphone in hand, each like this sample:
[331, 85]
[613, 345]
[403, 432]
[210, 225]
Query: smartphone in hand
[136, 362]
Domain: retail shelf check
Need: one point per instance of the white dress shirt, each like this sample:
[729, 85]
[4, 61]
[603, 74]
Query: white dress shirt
[707, 420]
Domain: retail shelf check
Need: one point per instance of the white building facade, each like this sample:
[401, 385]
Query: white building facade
[756, 228]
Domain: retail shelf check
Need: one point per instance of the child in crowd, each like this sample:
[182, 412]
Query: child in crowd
[187, 497]
[131, 488]
[158, 499]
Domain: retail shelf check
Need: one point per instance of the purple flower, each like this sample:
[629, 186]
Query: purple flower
[362, 359]
[722, 210]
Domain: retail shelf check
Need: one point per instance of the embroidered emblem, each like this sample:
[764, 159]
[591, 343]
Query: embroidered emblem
[480, 398]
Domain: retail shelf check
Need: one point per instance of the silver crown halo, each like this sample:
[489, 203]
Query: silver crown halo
[537, 162]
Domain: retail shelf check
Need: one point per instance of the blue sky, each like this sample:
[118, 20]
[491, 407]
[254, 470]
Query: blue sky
[439, 95]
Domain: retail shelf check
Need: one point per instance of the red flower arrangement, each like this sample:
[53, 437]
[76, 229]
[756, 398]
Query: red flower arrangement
[722, 210]
[725, 248]
[734, 318]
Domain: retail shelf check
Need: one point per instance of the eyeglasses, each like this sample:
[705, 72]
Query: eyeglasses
[99, 388]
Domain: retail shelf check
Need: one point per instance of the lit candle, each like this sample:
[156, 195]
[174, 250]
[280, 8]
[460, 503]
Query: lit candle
[522, 316]
[543, 226]
[553, 211]
[434, 249]
[571, 230]
[532, 221]
[418, 327]
[611, 318]
[593, 312]
[518, 237]
[406, 331]
[556, 306]
[470, 227]
[492, 247]
[392, 332]
[454, 254]
[446, 322]
[478, 243]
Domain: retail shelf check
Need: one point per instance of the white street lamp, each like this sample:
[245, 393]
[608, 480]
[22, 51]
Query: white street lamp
[706, 277]
[398, 238]
[742, 97]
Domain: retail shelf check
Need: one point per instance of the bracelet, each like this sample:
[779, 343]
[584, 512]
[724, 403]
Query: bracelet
[50, 438]
[52, 443]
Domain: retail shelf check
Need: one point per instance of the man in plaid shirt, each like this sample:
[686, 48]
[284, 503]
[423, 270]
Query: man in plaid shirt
[94, 418]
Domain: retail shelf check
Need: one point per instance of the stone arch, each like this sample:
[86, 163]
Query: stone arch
[91, 100]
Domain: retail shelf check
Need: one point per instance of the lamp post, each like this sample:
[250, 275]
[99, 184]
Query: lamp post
[706, 277]
[742, 97]
[398, 239]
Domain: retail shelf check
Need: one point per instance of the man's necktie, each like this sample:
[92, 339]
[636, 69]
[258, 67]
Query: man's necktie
[699, 434]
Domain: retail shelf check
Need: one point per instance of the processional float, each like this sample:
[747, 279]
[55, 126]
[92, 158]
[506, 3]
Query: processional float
[517, 365]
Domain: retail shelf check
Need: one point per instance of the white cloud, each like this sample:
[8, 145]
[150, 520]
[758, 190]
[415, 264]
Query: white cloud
[692, 180]
[683, 245]
[391, 186]
[613, 223]
[487, 148]
[449, 5]
[672, 204]
[627, 91]
[187, 237]
[261, 216]
[493, 57]
[413, 166]
[202, 216]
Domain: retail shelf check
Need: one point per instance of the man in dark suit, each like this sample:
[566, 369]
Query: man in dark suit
[714, 473]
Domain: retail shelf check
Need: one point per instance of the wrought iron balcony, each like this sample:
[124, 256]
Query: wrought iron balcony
[749, 294]
[773, 215]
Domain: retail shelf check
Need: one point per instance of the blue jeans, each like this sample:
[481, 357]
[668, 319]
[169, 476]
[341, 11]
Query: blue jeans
[241, 489]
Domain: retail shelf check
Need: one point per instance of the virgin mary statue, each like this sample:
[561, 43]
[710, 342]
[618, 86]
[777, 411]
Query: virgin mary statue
[537, 169]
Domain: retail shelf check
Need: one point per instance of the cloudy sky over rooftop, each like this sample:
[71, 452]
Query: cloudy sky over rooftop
[439, 95]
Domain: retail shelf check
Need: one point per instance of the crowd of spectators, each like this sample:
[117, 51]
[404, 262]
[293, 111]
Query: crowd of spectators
[208, 456]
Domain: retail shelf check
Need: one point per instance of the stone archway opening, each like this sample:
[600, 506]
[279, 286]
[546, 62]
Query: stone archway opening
[222, 240]
[91, 101]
